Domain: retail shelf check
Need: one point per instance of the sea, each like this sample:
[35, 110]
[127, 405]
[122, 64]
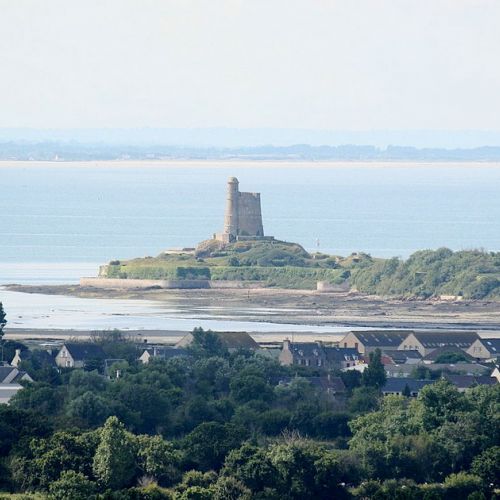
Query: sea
[59, 221]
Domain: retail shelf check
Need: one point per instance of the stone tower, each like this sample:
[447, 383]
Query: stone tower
[243, 217]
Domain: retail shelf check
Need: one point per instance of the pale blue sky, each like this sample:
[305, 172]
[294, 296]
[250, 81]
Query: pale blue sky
[308, 64]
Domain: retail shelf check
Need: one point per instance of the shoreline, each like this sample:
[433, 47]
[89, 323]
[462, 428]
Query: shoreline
[299, 307]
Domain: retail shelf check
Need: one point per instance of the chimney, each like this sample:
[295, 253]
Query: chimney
[286, 344]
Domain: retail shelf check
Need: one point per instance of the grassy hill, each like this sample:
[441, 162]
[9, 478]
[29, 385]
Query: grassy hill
[472, 274]
[276, 263]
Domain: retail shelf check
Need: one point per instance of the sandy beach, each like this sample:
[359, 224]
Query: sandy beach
[303, 307]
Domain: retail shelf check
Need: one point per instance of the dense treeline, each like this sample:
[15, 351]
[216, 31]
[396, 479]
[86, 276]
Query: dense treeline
[473, 274]
[219, 425]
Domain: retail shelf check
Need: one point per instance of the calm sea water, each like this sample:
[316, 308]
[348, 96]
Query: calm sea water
[60, 221]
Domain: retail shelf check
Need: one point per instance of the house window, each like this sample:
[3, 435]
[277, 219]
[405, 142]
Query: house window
[319, 362]
[356, 345]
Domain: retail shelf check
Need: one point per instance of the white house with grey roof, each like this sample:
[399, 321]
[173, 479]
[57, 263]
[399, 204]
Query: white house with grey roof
[10, 382]
[77, 354]
[426, 341]
[366, 341]
[485, 349]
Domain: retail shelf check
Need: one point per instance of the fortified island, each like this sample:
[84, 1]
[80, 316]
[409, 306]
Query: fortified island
[242, 256]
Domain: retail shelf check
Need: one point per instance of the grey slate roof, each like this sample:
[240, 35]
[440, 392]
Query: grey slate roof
[5, 371]
[307, 350]
[166, 352]
[42, 355]
[81, 352]
[6, 374]
[439, 338]
[493, 345]
[398, 384]
[378, 338]
[467, 381]
[339, 354]
[447, 349]
[400, 356]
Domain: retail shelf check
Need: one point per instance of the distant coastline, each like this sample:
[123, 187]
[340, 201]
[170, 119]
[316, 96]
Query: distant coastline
[226, 163]
[131, 150]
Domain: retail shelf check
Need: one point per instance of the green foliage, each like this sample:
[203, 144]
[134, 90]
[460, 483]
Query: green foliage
[72, 485]
[208, 444]
[229, 488]
[374, 375]
[114, 459]
[158, 459]
[228, 412]
[472, 274]
[192, 273]
[452, 358]
[486, 465]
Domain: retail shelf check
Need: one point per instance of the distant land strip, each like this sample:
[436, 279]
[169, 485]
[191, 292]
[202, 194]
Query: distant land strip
[72, 151]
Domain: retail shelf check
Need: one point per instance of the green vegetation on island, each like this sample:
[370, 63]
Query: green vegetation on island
[471, 274]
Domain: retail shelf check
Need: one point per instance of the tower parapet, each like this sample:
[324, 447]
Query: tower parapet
[243, 217]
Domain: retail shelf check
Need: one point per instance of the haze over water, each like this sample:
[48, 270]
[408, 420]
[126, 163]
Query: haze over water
[59, 221]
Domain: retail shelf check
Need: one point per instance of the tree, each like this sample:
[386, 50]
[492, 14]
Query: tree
[460, 486]
[114, 459]
[229, 488]
[88, 408]
[208, 444]
[72, 485]
[487, 466]
[157, 458]
[374, 375]
[438, 403]
[252, 466]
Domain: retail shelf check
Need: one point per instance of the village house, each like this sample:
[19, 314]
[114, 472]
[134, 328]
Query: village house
[434, 355]
[43, 356]
[404, 386]
[78, 354]
[427, 341]
[407, 370]
[10, 382]
[302, 354]
[464, 382]
[366, 341]
[161, 353]
[402, 357]
[485, 349]
[232, 341]
[327, 385]
[316, 354]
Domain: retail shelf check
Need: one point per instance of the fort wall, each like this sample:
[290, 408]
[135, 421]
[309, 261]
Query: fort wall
[143, 284]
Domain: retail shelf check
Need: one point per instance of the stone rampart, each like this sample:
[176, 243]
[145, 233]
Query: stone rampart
[124, 284]
[138, 284]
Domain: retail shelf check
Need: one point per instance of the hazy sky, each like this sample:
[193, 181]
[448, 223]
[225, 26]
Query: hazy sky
[319, 64]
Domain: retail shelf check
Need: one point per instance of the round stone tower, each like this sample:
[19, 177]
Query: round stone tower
[231, 216]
